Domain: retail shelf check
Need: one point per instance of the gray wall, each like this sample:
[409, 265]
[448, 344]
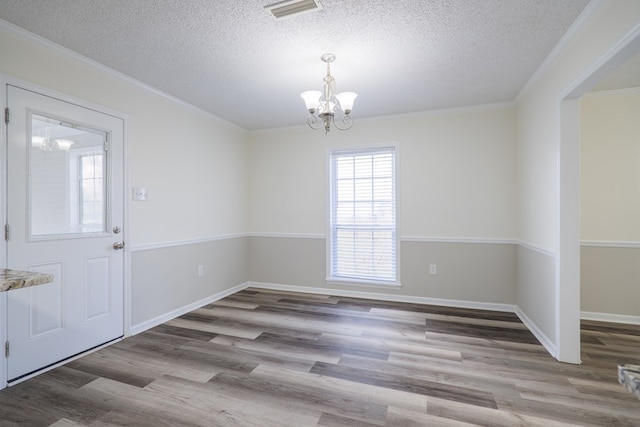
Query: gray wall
[166, 279]
[610, 281]
[477, 272]
[536, 277]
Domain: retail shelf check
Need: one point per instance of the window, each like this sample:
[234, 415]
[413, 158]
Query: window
[91, 191]
[362, 225]
[67, 179]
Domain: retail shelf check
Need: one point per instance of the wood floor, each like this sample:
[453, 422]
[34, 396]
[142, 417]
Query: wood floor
[267, 358]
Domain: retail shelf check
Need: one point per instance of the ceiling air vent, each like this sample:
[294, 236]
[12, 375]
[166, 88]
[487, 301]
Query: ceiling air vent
[289, 8]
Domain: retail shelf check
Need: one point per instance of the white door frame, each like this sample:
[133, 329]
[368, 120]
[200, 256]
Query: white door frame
[4, 81]
[568, 214]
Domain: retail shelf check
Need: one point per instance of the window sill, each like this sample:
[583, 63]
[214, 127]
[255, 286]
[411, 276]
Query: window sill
[362, 283]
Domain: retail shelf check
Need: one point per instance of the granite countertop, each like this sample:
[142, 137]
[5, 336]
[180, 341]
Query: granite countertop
[16, 279]
[629, 376]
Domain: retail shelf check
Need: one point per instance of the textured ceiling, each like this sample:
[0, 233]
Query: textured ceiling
[231, 58]
[627, 76]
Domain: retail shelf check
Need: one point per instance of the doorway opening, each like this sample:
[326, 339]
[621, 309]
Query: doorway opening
[568, 274]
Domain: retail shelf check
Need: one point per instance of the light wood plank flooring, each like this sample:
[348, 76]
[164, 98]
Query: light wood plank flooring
[266, 358]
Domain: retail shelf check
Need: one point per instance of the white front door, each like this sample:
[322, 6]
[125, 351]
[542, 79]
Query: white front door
[65, 213]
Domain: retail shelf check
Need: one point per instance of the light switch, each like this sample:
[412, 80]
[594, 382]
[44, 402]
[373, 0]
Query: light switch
[140, 194]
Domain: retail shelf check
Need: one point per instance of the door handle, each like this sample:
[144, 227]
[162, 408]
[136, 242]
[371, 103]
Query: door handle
[118, 245]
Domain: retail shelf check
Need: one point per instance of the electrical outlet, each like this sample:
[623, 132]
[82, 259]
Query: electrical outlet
[140, 194]
[433, 269]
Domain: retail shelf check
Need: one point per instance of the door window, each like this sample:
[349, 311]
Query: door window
[67, 171]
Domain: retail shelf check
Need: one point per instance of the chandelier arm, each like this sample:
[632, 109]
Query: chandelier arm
[313, 122]
[347, 121]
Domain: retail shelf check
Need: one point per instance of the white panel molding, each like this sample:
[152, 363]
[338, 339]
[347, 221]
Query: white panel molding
[424, 239]
[386, 297]
[289, 235]
[158, 320]
[538, 249]
[110, 71]
[45, 302]
[540, 336]
[458, 240]
[610, 317]
[97, 298]
[163, 245]
[609, 244]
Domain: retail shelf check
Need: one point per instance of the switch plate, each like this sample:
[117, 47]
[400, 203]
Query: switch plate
[200, 271]
[433, 269]
[140, 194]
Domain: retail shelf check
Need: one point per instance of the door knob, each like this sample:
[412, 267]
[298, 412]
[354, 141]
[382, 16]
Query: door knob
[118, 245]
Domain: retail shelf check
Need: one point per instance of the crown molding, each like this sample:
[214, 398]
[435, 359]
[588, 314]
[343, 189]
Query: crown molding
[68, 53]
[589, 11]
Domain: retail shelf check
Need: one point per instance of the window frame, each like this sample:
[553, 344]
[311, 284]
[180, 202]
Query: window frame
[80, 181]
[355, 281]
[75, 156]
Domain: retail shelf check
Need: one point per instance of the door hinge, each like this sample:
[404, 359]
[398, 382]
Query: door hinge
[6, 115]
[6, 232]
[6, 349]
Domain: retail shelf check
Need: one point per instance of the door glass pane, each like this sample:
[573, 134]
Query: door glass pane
[67, 187]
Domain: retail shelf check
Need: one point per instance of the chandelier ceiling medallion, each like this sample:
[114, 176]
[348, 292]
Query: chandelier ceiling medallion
[324, 106]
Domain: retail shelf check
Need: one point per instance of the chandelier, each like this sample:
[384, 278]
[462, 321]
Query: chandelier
[46, 143]
[324, 106]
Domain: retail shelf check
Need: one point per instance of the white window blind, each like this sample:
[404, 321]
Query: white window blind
[363, 215]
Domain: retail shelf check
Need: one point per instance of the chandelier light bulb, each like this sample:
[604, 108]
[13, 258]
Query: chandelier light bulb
[346, 100]
[311, 99]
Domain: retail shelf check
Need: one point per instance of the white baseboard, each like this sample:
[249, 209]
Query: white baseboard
[386, 297]
[509, 308]
[608, 317]
[544, 340]
[540, 336]
[141, 327]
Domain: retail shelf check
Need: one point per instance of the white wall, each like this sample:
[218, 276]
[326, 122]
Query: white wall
[540, 142]
[457, 173]
[194, 166]
[192, 163]
[456, 203]
[610, 167]
[610, 205]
